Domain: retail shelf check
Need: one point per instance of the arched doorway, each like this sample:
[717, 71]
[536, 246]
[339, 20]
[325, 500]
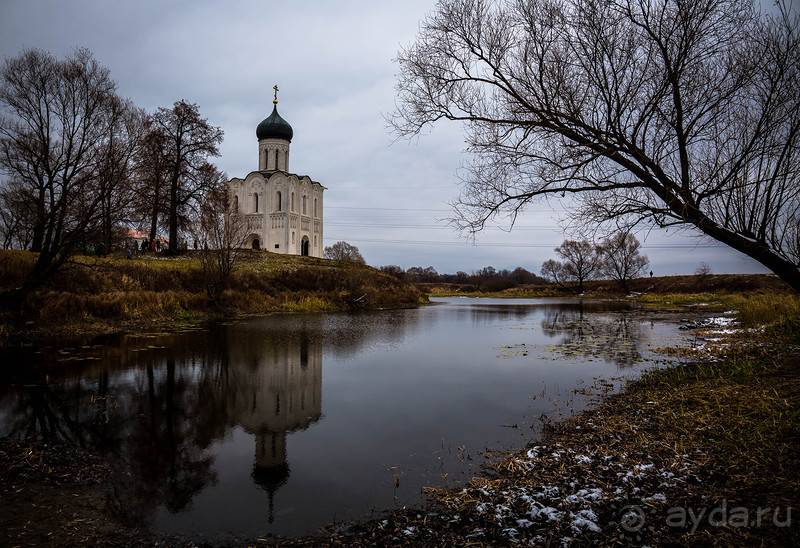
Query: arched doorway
[256, 243]
[304, 246]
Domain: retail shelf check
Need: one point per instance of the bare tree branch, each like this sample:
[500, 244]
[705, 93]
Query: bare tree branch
[669, 113]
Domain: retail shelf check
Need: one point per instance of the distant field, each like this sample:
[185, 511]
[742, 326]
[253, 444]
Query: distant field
[657, 285]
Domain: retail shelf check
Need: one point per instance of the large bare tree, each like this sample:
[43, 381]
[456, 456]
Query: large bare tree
[151, 179]
[342, 251]
[116, 172]
[190, 140]
[58, 117]
[670, 112]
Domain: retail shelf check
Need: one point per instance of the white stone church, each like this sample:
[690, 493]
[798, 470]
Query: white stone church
[283, 210]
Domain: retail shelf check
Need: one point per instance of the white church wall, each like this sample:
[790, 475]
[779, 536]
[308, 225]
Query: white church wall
[284, 210]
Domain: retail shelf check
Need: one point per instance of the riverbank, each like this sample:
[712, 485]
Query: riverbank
[94, 294]
[702, 454]
[683, 288]
[706, 453]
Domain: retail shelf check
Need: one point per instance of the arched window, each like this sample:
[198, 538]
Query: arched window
[255, 203]
[315, 208]
[305, 199]
[235, 204]
[292, 204]
[279, 200]
[276, 158]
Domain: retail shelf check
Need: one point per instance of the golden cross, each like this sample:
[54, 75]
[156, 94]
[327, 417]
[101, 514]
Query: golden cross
[276, 93]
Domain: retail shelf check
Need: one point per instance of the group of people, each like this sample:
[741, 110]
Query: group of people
[149, 245]
[154, 245]
[146, 245]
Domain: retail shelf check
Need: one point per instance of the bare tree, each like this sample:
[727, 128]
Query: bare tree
[116, 182]
[190, 140]
[523, 276]
[56, 123]
[581, 259]
[621, 260]
[553, 271]
[222, 233]
[342, 251]
[394, 270]
[151, 180]
[17, 216]
[703, 270]
[673, 113]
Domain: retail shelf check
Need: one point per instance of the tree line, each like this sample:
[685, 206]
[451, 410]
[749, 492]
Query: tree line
[484, 279]
[616, 257]
[80, 164]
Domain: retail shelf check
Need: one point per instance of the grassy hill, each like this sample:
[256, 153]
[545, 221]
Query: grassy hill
[105, 293]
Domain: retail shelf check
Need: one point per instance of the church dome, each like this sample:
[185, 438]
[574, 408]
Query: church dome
[274, 127]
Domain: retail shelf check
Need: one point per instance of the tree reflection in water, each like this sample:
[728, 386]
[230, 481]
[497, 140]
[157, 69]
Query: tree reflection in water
[615, 337]
[168, 399]
[199, 425]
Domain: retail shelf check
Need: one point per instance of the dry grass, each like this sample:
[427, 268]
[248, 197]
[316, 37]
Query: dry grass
[102, 292]
[775, 311]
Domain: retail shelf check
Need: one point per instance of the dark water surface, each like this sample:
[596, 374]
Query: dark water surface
[285, 423]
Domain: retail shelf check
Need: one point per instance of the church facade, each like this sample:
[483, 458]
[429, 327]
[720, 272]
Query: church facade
[282, 210]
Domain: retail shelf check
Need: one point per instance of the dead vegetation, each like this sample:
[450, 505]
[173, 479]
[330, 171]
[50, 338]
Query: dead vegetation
[106, 293]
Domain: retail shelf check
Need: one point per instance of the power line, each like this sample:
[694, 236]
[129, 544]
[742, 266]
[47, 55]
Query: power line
[433, 227]
[499, 244]
[388, 208]
[421, 209]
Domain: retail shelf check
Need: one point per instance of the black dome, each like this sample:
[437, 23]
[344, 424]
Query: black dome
[274, 127]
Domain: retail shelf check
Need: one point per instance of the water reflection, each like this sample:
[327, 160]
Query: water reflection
[167, 399]
[592, 330]
[277, 391]
[222, 428]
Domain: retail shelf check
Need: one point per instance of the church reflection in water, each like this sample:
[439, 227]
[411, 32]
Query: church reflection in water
[279, 394]
[155, 405]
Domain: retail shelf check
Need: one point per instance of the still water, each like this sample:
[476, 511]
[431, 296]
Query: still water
[285, 423]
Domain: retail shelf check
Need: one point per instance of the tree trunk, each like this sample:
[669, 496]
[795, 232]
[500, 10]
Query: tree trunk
[173, 213]
[784, 269]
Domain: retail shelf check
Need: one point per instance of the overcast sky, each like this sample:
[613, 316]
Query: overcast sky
[334, 65]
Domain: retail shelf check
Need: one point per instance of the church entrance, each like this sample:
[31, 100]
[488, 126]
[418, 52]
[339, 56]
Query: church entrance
[304, 246]
[256, 243]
